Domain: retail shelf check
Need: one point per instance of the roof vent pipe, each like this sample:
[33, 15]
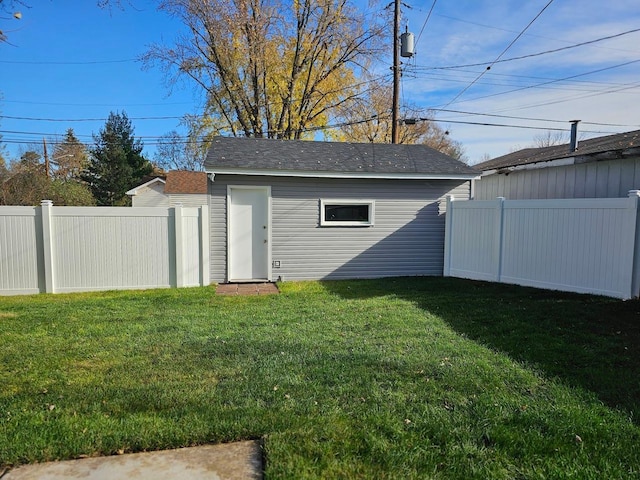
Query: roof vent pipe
[573, 145]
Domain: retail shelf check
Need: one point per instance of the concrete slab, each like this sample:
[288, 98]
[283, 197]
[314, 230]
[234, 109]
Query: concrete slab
[232, 461]
[247, 289]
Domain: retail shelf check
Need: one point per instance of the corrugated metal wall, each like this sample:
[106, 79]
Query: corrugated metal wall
[579, 245]
[407, 238]
[602, 179]
[67, 249]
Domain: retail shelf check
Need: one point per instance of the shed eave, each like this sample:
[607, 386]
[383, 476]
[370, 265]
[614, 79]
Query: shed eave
[560, 162]
[326, 174]
[134, 190]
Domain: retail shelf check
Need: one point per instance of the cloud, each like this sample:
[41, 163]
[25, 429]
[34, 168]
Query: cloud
[478, 31]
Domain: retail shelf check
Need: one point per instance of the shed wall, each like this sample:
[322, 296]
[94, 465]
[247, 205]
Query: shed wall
[188, 199]
[602, 179]
[151, 196]
[407, 238]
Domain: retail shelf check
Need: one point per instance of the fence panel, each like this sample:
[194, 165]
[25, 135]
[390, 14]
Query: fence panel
[191, 245]
[111, 247]
[473, 250]
[20, 249]
[578, 245]
[67, 249]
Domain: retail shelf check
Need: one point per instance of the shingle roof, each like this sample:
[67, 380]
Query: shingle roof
[260, 154]
[180, 181]
[611, 143]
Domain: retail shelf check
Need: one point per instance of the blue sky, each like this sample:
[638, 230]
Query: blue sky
[47, 71]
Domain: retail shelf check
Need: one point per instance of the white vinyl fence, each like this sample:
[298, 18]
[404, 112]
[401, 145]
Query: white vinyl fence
[70, 249]
[577, 245]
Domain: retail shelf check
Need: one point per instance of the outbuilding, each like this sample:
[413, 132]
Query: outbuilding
[305, 210]
[601, 167]
[177, 187]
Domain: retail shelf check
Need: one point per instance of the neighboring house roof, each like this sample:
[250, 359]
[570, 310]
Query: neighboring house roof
[177, 182]
[260, 156]
[600, 148]
[136, 190]
[182, 181]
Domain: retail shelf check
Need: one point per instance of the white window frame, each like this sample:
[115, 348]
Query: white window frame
[347, 223]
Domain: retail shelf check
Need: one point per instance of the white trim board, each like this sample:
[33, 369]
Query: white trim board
[324, 174]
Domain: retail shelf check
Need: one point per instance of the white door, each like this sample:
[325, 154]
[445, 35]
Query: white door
[248, 235]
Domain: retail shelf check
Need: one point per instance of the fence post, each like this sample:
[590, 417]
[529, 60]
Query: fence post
[179, 236]
[448, 225]
[47, 245]
[205, 276]
[499, 245]
[635, 264]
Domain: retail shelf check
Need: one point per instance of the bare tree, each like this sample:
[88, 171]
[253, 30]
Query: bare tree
[8, 12]
[269, 68]
[370, 121]
[186, 152]
[550, 138]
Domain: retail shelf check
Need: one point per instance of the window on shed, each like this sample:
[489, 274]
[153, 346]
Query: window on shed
[346, 212]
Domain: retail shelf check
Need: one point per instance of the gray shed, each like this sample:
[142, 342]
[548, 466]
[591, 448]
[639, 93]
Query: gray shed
[302, 210]
[602, 167]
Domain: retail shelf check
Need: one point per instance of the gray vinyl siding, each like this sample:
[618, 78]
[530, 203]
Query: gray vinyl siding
[152, 196]
[603, 179]
[188, 199]
[407, 238]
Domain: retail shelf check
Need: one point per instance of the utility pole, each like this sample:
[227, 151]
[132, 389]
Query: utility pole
[396, 74]
[46, 157]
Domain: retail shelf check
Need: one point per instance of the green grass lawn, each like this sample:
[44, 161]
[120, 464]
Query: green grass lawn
[400, 378]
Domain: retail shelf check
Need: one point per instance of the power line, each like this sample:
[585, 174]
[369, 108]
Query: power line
[515, 31]
[73, 120]
[535, 119]
[530, 77]
[500, 56]
[426, 20]
[30, 102]
[568, 99]
[486, 124]
[554, 81]
[517, 86]
[521, 57]
[169, 117]
[88, 62]
[154, 140]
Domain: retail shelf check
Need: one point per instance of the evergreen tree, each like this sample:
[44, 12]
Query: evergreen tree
[116, 164]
